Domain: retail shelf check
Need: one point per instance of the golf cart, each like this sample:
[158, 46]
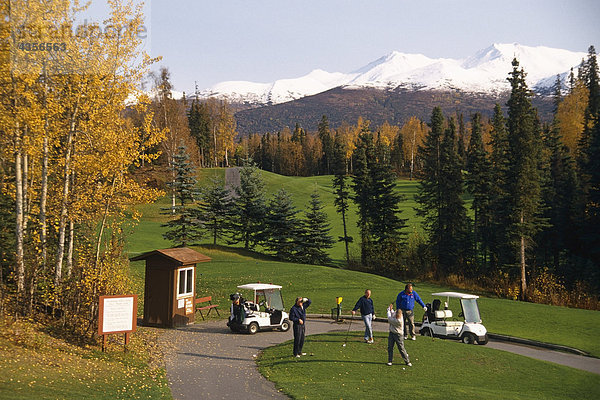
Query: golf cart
[438, 322]
[264, 311]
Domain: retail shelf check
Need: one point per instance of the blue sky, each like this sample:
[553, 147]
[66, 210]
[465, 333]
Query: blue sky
[210, 41]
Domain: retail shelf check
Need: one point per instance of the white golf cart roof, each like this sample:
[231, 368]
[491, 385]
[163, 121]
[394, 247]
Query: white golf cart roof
[455, 295]
[258, 286]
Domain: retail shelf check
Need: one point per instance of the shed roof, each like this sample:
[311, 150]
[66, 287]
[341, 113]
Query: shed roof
[180, 255]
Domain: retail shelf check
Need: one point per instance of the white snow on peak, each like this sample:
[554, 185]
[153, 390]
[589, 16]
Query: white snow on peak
[484, 72]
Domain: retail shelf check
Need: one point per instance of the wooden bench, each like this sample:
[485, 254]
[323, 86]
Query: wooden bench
[198, 301]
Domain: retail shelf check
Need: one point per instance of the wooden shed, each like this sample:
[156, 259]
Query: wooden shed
[170, 286]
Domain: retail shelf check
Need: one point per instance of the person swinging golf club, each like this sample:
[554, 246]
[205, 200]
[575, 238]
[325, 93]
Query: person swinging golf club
[396, 335]
[367, 312]
[406, 302]
[298, 317]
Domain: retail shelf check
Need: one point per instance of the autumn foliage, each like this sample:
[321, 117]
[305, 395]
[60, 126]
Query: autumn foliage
[66, 154]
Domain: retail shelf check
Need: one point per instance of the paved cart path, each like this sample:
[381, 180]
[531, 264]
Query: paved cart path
[207, 361]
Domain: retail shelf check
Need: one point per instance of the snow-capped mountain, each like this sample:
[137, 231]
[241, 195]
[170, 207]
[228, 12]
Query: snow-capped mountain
[484, 72]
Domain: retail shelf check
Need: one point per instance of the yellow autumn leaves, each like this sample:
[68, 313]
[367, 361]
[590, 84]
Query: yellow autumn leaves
[68, 146]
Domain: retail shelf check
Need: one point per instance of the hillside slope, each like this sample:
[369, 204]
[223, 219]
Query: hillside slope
[395, 106]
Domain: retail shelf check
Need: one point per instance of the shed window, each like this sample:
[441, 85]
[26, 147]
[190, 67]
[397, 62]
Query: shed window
[185, 286]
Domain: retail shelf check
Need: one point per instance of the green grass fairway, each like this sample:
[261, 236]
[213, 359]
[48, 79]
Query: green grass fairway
[300, 189]
[441, 369]
[230, 268]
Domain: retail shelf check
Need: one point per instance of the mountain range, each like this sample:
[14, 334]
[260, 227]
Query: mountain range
[397, 86]
[484, 72]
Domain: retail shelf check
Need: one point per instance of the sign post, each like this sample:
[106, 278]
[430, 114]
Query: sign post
[117, 314]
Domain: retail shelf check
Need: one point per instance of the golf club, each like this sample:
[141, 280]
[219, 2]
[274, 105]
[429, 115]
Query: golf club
[349, 325]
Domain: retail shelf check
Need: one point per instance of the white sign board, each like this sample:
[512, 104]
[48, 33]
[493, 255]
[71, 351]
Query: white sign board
[117, 314]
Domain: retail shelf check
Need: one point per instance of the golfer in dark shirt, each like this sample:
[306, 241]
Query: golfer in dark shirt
[367, 312]
[298, 317]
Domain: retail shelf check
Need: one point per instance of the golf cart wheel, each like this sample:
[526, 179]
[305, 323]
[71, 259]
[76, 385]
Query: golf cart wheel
[484, 341]
[426, 332]
[468, 338]
[285, 326]
[252, 328]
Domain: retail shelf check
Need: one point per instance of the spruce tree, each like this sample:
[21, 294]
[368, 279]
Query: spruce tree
[462, 141]
[216, 208]
[589, 161]
[500, 251]
[524, 170]
[592, 82]
[397, 154]
[315, 238]
[327, 143]
[387, 224]
[454, 224]
[429, 196]
[374, 186]
[362, 186]
[184, 228]
[199, 123]
[557, 94]
[479, 181]
[561, 199]
[341, 190]
[591, 239]
[250, 207]
[284, 231]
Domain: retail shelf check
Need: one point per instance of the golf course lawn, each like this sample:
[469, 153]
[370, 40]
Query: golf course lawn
[441, 369]
[232, 267]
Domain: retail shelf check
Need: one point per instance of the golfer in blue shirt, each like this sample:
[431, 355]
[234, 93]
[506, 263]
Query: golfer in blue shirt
[406, 302]
[365, 303]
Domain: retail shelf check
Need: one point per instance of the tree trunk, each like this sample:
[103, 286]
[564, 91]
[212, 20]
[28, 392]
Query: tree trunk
[523, 275]
[345, 237]
[25, 182]
[174, 177]
[19, 212]
[412, 154]
[476, 232]
[103, 224]
[64, 202]
[215, 144]
[44, 186]
[43, 200]
[70, 248]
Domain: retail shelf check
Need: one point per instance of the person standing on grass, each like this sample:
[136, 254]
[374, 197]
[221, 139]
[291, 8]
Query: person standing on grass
[298, 317]
[406, 302]
[367, 311]
[396, 335]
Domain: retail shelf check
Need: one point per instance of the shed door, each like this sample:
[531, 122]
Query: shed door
[159, 296]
